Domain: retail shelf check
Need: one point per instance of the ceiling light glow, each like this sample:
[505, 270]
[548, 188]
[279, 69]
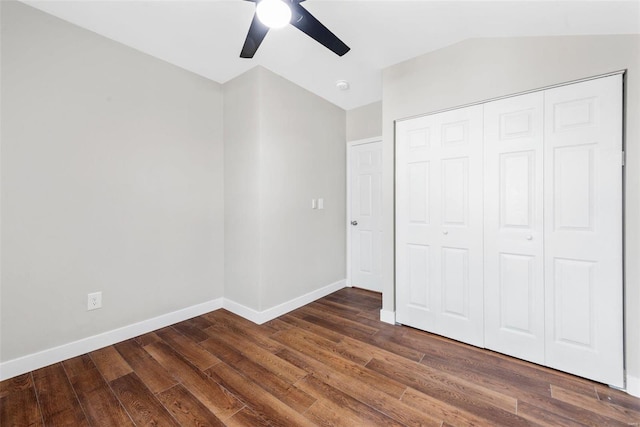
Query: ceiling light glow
[273, 13]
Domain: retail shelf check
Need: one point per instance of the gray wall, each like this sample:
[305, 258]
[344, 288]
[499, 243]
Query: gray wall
[283, 147]
[364, 122]
[242, 188]
[112, 181]
[303, 157]
[481, 69]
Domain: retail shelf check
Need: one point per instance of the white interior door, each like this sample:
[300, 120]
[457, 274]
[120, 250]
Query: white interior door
[439, 224]
[365, 212]
[513, 233]
[583, 229]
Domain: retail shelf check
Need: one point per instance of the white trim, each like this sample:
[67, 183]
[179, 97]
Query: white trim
[350, 145]
[497, 98]
[30, 362]
[364, 141]
[263, 316]
[388, 316]
[633, 385]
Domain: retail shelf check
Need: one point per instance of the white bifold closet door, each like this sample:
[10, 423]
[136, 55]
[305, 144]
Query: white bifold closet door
[439, 224]
[583, 229]
[509, 226]
[513, 226]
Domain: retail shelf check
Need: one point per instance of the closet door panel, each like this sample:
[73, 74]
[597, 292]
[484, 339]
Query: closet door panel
[439, 224]
[583, 229]
[461, 252]
[513, 227]
[417, 238]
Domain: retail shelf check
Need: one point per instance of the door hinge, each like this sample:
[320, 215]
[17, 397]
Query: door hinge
[623, 158]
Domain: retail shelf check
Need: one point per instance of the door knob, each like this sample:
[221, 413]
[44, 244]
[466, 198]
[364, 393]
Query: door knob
[445, 232]
[354, 222]
[529, 237]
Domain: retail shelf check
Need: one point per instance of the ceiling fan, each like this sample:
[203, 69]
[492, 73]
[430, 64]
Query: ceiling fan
[277, 14]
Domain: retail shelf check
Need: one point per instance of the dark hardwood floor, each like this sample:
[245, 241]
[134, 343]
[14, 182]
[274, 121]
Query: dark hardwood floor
[329, 363]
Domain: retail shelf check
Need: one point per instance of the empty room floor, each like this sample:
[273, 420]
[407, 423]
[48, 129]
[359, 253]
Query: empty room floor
[328, 363]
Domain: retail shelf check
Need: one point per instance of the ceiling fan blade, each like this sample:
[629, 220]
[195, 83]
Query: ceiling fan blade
[308, 24]
[257, 32]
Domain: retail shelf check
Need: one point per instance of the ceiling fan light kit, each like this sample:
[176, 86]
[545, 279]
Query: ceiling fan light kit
[277, 14]
[273, 13]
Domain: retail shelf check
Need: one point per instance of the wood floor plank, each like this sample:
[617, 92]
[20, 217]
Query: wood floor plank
[381, 339]
[216, 398]
[300, 323]
[218, 346]
[329, 363]
[199, 322]
[261, 356]
[58, 402]
[140, 403]
[99, 404]
[263, 403]
[436, 383]
[188, 348]
[347, 348]
[492, 406]
[298, 341]
[20, 382]
[446, 354]
[20, 408]
[543, 417]
[617, 398]
[187, 329]
[594, 405]
[155, 376]
[246, 417]
[78, 365]
[186, 409]
[326, 413]
[569, 411]
[148, 338]
[448, 413]
[223, 320]
[278, 325]
[110, 363]
[262, 377]
[374, 348]
[392, 407]
[343, 404]
[334, 322]
[357, 300]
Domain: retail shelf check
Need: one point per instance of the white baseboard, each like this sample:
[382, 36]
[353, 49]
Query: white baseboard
[21, 365]
[30, 362]
[263, 316]
[388, 316]
[633, 385]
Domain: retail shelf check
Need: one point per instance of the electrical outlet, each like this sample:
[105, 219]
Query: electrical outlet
[94, 301]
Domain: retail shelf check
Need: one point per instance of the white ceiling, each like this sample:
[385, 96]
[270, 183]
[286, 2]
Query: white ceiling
[206, 36]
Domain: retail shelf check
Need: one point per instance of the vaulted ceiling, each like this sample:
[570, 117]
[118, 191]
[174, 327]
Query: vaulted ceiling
[206, 36]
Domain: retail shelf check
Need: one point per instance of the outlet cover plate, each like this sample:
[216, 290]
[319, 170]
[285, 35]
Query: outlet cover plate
[94, 301]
